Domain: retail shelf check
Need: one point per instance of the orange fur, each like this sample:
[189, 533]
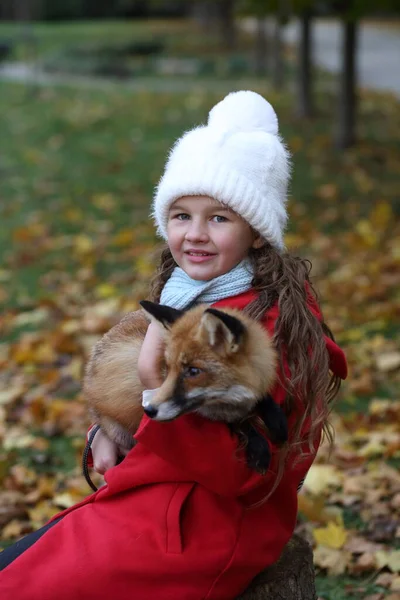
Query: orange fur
[233, 374]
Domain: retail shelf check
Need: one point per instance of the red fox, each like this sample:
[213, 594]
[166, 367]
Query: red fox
[219, 363]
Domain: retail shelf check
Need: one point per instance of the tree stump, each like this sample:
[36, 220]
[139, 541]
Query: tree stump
[291, 578]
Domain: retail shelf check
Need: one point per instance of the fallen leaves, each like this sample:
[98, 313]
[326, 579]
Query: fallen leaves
[355, 478]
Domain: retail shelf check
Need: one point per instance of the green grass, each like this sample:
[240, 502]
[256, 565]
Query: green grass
[50, 38]
[346, 588]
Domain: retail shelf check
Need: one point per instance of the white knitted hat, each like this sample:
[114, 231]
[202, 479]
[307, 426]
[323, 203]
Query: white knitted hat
[239, 159]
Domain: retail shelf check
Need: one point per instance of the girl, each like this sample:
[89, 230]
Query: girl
[182, 516]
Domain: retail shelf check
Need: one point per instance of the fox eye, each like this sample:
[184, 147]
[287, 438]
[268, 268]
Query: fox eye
[192, 371]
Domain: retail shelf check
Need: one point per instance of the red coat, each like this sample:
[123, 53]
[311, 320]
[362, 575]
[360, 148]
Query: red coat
[174, 520]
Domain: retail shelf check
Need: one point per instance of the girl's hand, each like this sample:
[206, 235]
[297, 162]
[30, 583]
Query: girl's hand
[104, 452]
[150, 358]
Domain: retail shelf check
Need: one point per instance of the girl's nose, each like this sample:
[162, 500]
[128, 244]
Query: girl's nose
[196, 232]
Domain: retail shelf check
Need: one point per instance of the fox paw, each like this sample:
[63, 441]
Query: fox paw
[258, 455]
[274, 419]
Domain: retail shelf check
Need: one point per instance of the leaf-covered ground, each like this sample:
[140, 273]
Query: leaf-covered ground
[77, 169]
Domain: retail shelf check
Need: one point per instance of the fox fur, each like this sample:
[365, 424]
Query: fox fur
[219, 363]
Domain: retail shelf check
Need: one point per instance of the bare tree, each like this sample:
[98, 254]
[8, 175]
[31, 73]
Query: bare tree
[305, 105]
[261, 46]
[278, 62]
[226, 13]
[205, 13]
[345, 135]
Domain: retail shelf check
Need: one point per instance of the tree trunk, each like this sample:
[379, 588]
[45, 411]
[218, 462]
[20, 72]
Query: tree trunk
[278, 63]
[204, 13]
[346, 121]
[6, 10]
[227, 23]
[291, 578]
[305, 102]
[26, 10]
[261, 47]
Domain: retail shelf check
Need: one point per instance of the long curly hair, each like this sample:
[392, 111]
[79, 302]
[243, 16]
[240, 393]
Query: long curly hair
[284, 279]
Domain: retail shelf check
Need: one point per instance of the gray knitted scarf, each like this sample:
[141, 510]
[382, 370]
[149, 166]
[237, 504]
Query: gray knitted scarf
[181, 291]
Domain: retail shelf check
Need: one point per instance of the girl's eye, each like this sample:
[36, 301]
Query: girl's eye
[182, 217]
[219, 218]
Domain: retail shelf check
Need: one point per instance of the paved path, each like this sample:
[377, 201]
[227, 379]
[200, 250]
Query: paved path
[378, 59]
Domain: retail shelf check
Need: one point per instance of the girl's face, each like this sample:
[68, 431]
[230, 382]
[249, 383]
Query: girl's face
[206, 238]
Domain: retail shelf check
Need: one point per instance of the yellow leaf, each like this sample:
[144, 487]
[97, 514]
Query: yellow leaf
[13, 529]
[314, 509]
[33, 317]
[106, 290]
[372, 448]
[366, 232]
[44, 353]
[5, 275]
[394, 561]
[22, 475]
[65, 500]
[395, 584]
[382, 558]
[57, 409]
[331, 536]
[128, 306]
[11, 394]
[333, 560]
[83, 244]
[74, 369]
[381, 215]
[74, 214]
[41, 513]
[388, 559]
[123, 238]
[144, 267]
[321, 477]
[293, 240]
[70, 327]
[104, 202]
[378, 406]
[389, 361]
[15, 439]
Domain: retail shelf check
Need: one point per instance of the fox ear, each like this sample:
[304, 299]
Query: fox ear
[165, 315]
[222, 330]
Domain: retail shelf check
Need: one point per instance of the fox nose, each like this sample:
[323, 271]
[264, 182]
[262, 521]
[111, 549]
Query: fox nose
[151, 411]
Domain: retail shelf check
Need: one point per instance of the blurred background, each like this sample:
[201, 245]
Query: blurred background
[92, 95]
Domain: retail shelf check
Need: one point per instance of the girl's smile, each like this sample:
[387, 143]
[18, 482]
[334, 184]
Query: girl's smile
[198, 257]
[206, 238]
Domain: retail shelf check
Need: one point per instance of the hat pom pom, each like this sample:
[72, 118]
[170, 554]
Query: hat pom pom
[244, 111]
